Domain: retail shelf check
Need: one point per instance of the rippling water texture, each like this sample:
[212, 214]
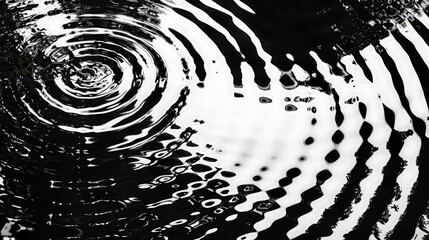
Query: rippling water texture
[210, 119]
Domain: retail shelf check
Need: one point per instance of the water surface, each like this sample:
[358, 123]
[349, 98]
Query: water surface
[214, 119]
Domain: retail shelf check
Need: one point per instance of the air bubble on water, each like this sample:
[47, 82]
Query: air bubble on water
[257, 178]
[290, 56]
[231, 217]
[337, 137]
[332, 156]
[309, 141]
[265, 100]
[290, 108]
[313, 121]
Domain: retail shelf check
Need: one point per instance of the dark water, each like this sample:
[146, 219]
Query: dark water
[214, 119]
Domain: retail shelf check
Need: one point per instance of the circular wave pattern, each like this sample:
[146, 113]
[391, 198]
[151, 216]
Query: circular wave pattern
[208, 120]
[100, 76]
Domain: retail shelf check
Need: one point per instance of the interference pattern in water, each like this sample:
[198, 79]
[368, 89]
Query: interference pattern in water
[210, 119]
